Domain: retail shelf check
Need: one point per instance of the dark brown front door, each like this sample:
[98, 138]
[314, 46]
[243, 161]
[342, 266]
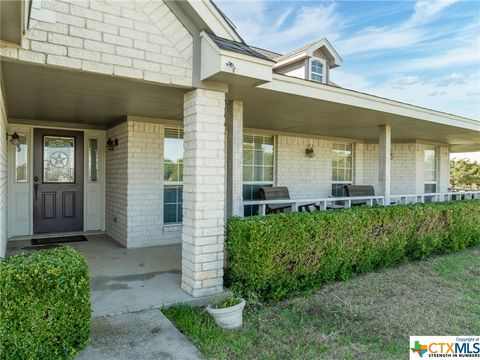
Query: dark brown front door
[57, 181]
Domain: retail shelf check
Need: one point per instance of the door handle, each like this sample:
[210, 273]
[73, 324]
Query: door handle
[35, 188]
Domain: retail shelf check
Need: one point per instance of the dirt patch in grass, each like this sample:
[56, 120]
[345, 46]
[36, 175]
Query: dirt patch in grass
[369, 317]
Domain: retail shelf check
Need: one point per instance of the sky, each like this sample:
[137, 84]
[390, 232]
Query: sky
[425, 53]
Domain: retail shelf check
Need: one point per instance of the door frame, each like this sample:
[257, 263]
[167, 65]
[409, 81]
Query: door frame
[23, 192]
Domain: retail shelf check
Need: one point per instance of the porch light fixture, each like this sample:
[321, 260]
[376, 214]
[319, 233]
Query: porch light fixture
[111, 143]
[232, 66]
[309, 152]
[15, 138]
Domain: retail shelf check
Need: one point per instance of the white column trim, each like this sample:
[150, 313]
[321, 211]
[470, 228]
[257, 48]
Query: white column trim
[384, 166]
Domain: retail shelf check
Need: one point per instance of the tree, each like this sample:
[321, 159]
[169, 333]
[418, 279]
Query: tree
[464, 174]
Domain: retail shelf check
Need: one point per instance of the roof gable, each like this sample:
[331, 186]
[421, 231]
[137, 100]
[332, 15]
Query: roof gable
[306, 51]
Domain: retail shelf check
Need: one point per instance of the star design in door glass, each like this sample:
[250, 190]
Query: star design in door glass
[59, 159]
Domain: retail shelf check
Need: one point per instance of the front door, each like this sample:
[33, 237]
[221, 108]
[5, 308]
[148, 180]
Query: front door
[57, 181]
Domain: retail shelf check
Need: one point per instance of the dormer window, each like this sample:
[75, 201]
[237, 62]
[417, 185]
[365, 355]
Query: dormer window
[317, 70]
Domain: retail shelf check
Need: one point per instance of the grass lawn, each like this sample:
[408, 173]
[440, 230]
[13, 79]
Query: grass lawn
[369, 317]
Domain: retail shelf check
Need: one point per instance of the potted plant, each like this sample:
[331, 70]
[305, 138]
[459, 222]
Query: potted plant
[227, 311]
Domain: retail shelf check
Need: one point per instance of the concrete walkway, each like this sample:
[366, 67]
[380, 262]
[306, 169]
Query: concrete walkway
[142, 335]
[127, 288]
[125, 280]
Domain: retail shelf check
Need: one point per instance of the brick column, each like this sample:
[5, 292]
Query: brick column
[384, 152]
[234, 117]
[203, 192]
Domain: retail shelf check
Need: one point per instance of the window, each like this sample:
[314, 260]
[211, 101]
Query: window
[317, 71]
[93, 160]
[58, 159]
[21, 156]
[173, 176]
[342, 168]
[430, 162]
[258, 168]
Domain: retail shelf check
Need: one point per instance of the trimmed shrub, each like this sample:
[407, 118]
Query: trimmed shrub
[44, 305]
[275, 255]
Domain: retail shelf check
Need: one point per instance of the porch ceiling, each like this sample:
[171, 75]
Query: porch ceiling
[288, 112]
[37, 92]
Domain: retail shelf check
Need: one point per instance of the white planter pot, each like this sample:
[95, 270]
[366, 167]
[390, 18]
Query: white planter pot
[228, 318]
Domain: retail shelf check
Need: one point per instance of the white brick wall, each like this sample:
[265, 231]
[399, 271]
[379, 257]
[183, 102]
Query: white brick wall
[311, 177]
[3, 176]
[116, 185]
[203, 192]
[370, 165]
[305, 177]
[145, 185]
[136, 39]
[408, 175]
[134, 186]
[403, 168]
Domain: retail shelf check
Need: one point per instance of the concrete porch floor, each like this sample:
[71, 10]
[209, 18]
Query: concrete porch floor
[125, 280]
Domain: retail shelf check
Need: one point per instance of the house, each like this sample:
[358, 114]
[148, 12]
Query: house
[153, 121]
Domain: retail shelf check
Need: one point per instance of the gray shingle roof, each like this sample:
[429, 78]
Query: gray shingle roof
[237, 47]
[270, 54]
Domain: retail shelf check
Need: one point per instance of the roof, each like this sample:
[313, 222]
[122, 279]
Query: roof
[308, 50]
[237, 47]
[269, 54]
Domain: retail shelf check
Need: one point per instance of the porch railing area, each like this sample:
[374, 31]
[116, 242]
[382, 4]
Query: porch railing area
[327, 203]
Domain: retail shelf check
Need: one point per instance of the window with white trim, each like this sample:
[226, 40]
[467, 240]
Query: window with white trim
[317, 70]
[172, 176]
[431, 163]
[93, 160]
[342, 167]
[258, 168]
[21, 159]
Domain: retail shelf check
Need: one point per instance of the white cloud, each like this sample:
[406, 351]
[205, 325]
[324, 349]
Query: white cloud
[407, 33]
[281, 19]
[248, 16]
[422, 91]
[453, 78]
[259, 26]
[403, 76]
[350, 80]
[452, 58]
[427, 9]
[375, 39]
[405, 81]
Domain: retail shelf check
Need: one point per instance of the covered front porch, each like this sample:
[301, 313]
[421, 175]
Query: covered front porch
[313, 139]
[174, 163]
[124, 280]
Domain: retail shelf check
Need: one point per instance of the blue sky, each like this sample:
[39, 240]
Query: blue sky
[422, 52]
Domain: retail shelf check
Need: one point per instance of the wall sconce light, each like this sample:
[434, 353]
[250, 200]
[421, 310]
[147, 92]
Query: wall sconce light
[231, 65]
[111, 143]
[15, 138]
[309, 152]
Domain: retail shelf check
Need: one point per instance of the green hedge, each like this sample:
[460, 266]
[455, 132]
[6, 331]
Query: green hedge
[273, 256]
[44, 305]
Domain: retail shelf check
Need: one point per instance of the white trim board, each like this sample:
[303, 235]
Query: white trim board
[300, 87]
